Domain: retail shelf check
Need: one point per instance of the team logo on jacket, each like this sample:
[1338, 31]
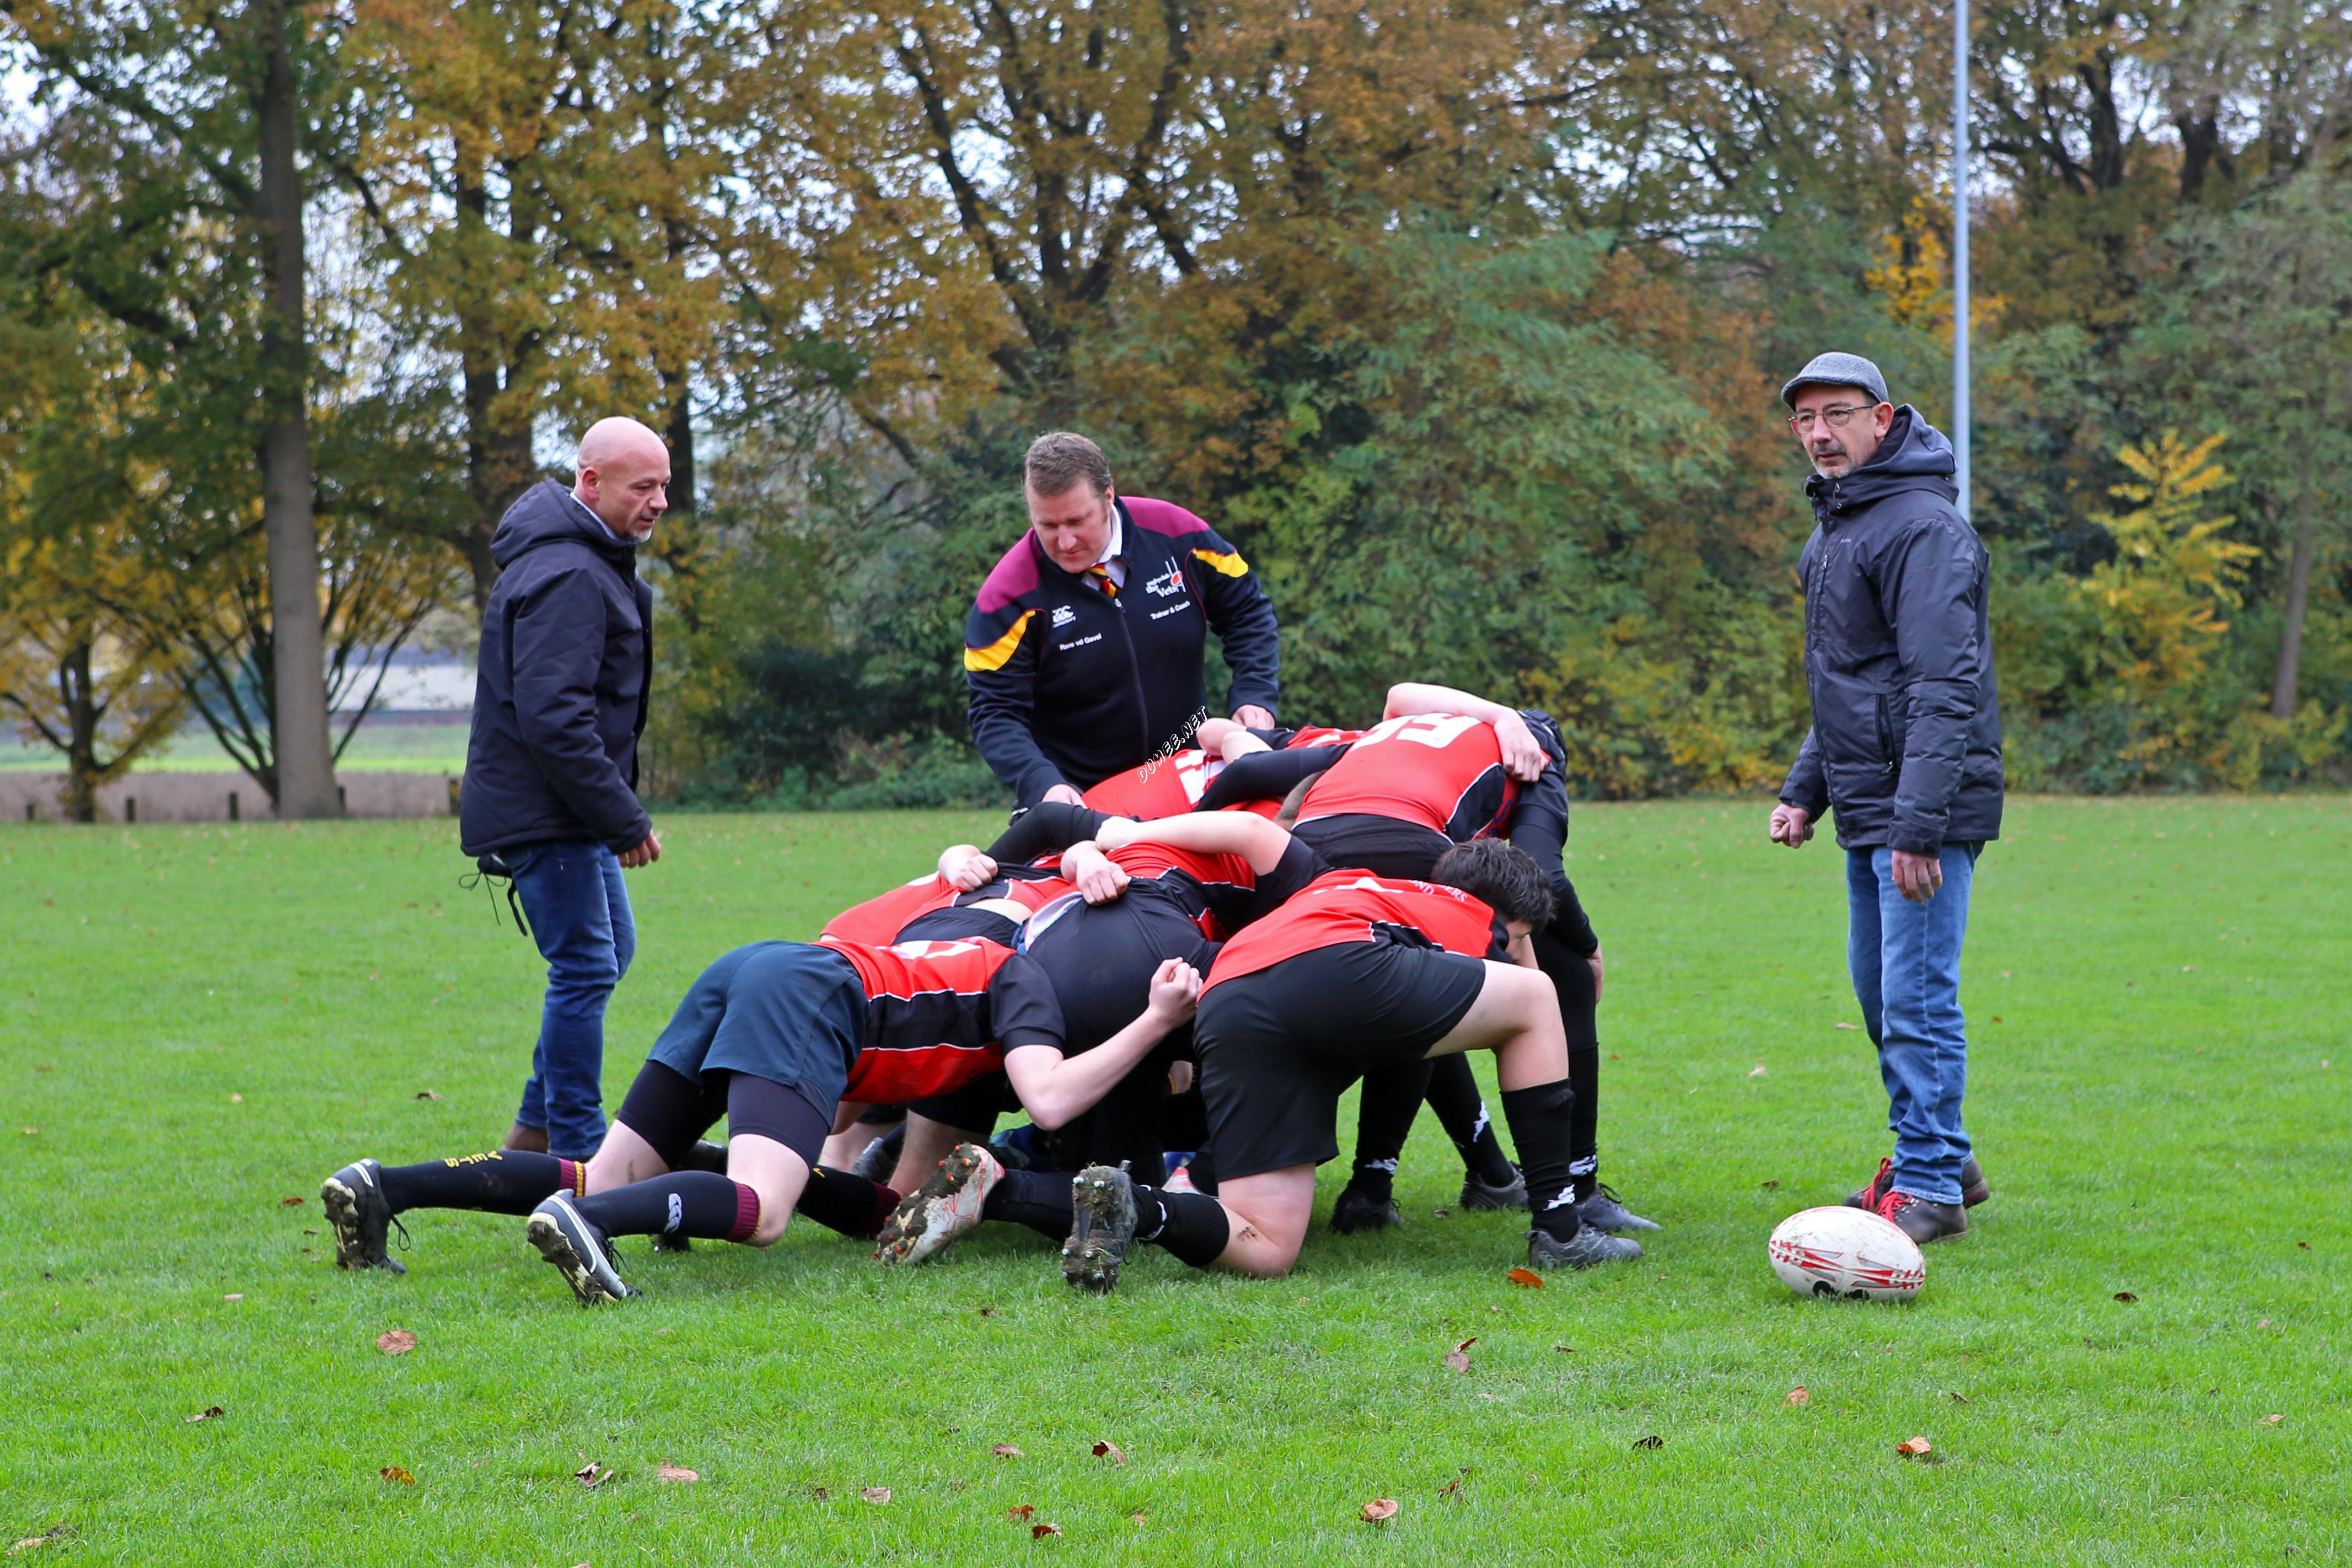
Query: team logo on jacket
[1168, 584]
[1062, 616]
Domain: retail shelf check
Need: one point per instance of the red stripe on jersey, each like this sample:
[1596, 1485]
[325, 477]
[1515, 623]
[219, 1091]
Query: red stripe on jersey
[1437, 770]
[1165, 786]
[925, 1016]
[877, 921]
[1341, 907]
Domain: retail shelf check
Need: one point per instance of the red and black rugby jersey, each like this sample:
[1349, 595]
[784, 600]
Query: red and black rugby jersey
[1342, 906]
[1165, 786]
[1443, 772]
[941, 1014]
[878, 921]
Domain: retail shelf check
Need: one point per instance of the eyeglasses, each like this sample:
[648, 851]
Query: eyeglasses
[1836, 416]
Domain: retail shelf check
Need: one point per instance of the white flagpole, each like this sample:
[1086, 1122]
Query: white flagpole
[1960, 248]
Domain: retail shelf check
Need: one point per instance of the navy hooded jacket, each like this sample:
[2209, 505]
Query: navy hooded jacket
[560, 697]
[1905, 742]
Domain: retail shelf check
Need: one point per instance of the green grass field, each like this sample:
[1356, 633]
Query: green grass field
[201, 1022]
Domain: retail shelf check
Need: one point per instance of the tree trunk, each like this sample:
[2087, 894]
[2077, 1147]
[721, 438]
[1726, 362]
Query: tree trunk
[499, 465]
[306, 775]
[2298, 598]
[81, 734]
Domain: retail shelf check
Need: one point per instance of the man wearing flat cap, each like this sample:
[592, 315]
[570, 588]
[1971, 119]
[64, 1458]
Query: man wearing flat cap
[1906, 749]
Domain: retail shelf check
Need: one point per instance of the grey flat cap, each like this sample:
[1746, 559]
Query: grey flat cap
[1838, 370]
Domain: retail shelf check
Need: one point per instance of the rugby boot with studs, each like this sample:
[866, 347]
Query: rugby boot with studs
[1587, 1248]
[1922, 1220]
[1478, 1194]
[1357, 1210]
[354, 1201]
[1102, 1228]
[1974, 1189]
[945, 1206]
[1603, 1211]
[580, 1252]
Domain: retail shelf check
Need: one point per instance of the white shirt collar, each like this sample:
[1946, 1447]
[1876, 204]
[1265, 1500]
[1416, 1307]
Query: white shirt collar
[1111, 550]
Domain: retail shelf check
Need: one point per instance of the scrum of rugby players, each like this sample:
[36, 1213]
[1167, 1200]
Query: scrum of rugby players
[1201, 958]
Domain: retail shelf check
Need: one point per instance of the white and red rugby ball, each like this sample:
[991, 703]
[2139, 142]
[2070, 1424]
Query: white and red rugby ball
[1851, 1253]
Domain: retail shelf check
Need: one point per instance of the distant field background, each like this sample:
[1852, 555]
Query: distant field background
[378, 748]
[198, 1023]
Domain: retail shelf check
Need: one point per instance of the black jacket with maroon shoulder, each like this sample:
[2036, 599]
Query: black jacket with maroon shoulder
[1070, 685]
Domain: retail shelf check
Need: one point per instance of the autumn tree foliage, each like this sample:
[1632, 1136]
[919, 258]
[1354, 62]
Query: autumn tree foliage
[1464, 319]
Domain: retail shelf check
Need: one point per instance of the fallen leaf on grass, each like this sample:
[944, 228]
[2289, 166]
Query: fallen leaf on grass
[1105, 1449]
[1565, 1350]
[1959, 1398]
[31, 1133]
[1652, 1441]
[1437, 1213]
[1527, 1278]
[395, 1341]
[1380, 1510]
[397, 1475]
[1453, 1486]
[820, 1493]
[32, 1543]
[236, 1100]
[2125, 1296]
[1458, 1361]
[208, 1412]
[2272, 1420]
[2262, 1322]
[592, 1475]
[290, 1203]
[1039, 1531]
[988, 1312]
[876, 1495]
[1135, 1518]
[2303, 1245]
[1915, 1447]
[1020, 1512]
[1757, 1071]
[1006, 1452]
[426, 1094]
[1798, 1396]
[1855, 1026]
[234, 1295]
[1767, 1187]
[677, 1473]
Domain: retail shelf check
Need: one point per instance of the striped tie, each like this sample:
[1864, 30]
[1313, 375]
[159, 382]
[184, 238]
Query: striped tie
[1100, 572]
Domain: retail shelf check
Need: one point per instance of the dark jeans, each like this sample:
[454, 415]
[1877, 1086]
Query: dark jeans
[578, 906]
[1905, 961]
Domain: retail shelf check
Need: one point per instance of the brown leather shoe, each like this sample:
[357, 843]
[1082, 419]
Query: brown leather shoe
[1974, 1189]
[1921, 1220]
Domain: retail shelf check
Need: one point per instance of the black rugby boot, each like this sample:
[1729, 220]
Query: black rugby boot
[1102, 1205]
[354, 1201]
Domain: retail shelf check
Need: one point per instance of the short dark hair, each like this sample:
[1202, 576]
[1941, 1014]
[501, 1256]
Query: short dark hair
[1501, 873]
[1060, 458]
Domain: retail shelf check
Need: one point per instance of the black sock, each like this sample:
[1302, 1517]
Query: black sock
[1571, 979]
[1540, 1121]
[850, 1204]
[503, 1181]
[1454, 1095]
[1191, 1225]
[1584, 1118]
[683, 1203]
[1038, 1199]
[1385, 1107]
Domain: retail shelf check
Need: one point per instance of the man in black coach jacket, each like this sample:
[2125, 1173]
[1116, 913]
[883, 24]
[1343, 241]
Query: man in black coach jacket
[550, 793]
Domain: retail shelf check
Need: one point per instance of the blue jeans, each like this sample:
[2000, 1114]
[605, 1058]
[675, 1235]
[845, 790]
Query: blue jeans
[1905, 961]
[578, 906]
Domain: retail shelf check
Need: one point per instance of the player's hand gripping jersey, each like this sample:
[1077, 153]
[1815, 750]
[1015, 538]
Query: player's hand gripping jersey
[1341, 908]
[941, 1014]
[879, 922]
[1443, 772]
